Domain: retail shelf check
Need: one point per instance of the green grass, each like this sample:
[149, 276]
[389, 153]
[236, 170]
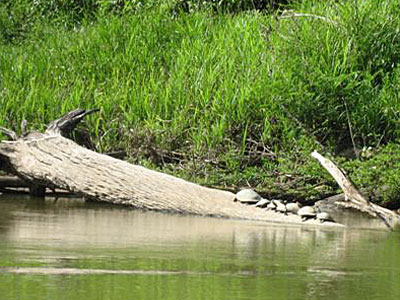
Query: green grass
[226, 99]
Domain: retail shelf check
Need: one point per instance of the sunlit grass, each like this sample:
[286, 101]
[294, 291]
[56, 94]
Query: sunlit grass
[199, 74]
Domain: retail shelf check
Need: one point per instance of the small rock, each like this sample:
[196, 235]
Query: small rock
[262, 203]
[248, 196]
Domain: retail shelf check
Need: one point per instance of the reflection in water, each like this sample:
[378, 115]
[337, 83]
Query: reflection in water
[69, 249]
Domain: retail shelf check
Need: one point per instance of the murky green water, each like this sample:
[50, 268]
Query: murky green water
[69, 249]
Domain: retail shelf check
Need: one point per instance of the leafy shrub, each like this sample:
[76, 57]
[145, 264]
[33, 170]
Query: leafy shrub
[19, 17]
[378, 174]
[15, 20]
[334, 66]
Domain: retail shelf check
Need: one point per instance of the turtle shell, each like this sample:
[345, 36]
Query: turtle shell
[324, 216]
[292, 207]
[248, 196]
[307, 212]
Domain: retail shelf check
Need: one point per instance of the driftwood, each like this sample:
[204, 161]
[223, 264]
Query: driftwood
[50, 159]
[353, 197]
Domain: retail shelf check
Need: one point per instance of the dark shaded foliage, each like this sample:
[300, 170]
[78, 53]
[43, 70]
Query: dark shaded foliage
[230, 6]
[17, 17]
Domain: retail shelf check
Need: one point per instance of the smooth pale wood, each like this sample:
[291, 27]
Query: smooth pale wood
[353, 198]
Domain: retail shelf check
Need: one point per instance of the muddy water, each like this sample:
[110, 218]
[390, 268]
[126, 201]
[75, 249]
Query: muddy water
[70, 249]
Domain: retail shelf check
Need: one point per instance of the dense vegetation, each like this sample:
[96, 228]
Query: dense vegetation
[225, 93]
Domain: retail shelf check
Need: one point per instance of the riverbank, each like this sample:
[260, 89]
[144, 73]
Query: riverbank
[221, 99]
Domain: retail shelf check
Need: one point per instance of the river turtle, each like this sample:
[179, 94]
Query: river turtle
[293, 207]
[307, 212]
[262, 203]
[324, 216]
[248, 196]
[271, 206]
[280, 206]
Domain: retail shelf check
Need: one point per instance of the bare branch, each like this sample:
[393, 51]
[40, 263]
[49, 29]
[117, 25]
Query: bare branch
[23, 128]
[67, 123]
[292, 14]
[9, 133]
[353, 198]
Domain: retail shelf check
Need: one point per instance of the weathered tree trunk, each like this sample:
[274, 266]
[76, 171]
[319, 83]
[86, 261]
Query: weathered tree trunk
[52, 160]
[55, 160]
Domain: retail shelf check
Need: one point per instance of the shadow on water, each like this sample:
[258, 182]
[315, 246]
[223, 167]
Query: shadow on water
[125, 253]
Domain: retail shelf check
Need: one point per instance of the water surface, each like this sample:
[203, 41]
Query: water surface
[71, 249]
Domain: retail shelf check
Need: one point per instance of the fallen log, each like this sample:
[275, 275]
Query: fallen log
[50, 159]
[353, 198]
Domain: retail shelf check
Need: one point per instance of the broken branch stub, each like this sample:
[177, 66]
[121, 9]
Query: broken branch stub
[353, 197]
[67, 123]
[11, 134]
